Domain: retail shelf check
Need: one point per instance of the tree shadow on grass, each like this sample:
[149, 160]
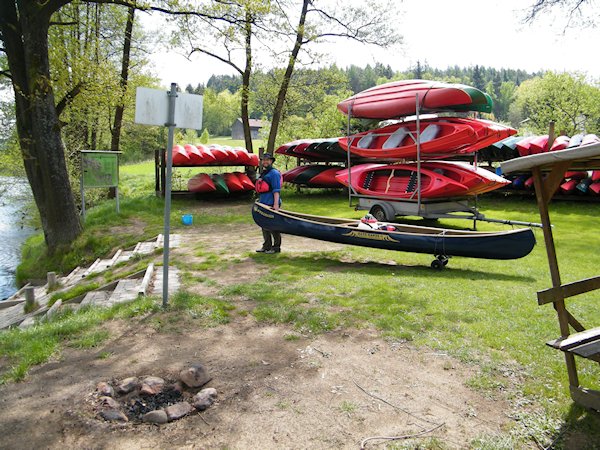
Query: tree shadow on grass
[321, 262]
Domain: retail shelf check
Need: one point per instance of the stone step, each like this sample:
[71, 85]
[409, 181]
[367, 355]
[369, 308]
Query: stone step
[126, 291]
[174, 284]
[96, 298]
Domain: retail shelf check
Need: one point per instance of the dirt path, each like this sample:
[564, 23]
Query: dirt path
[274, 392]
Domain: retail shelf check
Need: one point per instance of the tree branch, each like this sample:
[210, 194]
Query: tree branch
[62, 104]
[220, 58]
[6, 74]
[63, 23]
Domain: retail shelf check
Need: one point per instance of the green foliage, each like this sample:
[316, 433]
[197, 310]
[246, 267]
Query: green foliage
[204, 137]
[220, 111]
[564, 98]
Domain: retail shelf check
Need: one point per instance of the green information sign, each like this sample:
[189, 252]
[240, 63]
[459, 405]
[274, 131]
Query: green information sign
[100, 169]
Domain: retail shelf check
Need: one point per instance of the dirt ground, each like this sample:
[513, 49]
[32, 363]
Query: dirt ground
[328, 391]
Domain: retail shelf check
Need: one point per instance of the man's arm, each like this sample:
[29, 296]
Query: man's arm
[275, 201]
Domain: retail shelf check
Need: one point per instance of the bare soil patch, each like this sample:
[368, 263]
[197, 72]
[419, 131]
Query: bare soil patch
[274, 391]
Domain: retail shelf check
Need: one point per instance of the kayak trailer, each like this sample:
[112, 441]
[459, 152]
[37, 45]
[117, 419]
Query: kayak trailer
[386, 210]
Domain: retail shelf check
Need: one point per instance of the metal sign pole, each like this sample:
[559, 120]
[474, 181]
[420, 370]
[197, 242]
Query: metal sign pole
[171, 124]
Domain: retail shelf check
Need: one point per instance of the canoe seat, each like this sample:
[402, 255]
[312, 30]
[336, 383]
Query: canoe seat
[396, 138]
[430, 133]
[412, 182]
[365, 141]
[368, 180]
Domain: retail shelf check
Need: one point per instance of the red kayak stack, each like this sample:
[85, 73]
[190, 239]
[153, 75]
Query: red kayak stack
[213, 154]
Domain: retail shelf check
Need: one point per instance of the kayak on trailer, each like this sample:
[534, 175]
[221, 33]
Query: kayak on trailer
[400, 140]
[511, 244]
[398, 98]
[477, 179]
[317, 176]
[399, 181]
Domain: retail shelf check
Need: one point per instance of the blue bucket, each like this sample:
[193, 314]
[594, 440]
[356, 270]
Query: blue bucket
[187, 219]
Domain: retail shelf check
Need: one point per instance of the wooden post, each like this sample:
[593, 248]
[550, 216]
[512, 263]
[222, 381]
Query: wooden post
[543, 198]
[551, 135]
[156, 172]
[51, 277]
[29, 298]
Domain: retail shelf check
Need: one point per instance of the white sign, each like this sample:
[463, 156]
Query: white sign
[152, 108]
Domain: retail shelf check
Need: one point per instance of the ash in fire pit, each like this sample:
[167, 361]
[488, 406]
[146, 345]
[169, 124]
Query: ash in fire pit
[139, 406]
[154, 400]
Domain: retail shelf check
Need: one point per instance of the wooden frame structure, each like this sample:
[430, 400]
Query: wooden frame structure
[583, 342]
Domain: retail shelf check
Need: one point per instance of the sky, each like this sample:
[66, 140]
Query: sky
[444, 33]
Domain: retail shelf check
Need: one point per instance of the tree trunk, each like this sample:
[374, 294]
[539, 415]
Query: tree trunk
[246, 83]
[26, 43]
[118, 122]
[278, 110]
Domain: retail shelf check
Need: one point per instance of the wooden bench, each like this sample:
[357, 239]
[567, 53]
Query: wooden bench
[575, 340]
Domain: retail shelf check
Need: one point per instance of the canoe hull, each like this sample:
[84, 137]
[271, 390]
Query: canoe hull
[500, 245]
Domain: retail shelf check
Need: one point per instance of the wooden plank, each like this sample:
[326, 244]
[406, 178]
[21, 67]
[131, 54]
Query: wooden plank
[587, 398]
[587, 350]
[574, 340]
[568, 290]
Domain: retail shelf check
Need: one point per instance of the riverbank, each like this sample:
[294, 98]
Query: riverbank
[15, 228]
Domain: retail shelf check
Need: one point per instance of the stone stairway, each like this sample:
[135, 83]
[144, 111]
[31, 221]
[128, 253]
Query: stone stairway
[12, 310]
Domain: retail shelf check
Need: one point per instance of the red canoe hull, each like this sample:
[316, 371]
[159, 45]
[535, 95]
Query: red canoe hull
[398, 98]
[201, 183]
[399, 181]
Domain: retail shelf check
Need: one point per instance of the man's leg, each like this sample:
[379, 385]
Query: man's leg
[267, 243]
[276, 240]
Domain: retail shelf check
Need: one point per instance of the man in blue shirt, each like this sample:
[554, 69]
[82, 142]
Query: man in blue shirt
[270, 175]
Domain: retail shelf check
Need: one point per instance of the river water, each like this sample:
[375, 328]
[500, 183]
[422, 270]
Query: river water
[15, 194]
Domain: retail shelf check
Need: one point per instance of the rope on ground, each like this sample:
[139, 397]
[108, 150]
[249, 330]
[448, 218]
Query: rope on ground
[394, 406]
[397, 438]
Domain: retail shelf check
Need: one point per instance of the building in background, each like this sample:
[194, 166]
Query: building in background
[237, 130]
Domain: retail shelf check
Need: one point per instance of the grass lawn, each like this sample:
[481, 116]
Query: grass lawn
[481, 311]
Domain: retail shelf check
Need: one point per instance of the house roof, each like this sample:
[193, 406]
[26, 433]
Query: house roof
[254, 123]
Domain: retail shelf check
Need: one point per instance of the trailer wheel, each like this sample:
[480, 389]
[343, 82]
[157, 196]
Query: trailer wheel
[379, 213]
[437, 264]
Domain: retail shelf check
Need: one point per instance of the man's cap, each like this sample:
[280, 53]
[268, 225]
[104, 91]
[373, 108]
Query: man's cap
[268, 156]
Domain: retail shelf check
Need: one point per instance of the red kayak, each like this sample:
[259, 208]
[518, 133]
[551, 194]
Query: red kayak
[596, 175]
[245, 181]
[233, 183]
[560, 143]
[399, 181]
[180, 156]
[576, 175]
[398, 98]
[595, 187]
[569, 186]
[194, 154]
[523, 146]
[201, 183]
[538, 144]
[221, 155]
[313, 175]
[487, 133]
[399, 140]
[478, 180]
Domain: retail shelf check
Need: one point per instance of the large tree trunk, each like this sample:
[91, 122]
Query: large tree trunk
[246, 84]
[26, 42]
[278, 110]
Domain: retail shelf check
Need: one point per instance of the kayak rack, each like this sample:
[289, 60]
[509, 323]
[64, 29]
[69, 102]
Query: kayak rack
[385, 209]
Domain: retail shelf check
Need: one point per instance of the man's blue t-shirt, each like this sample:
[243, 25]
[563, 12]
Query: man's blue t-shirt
[273, 177]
